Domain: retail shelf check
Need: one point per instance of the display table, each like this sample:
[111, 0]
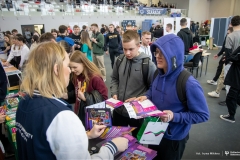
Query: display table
[11, 70]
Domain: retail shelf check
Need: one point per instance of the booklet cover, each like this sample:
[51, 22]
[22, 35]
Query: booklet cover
[138, 152]
[98, 116]
[116, 131]
[114, 103]
[143, 107]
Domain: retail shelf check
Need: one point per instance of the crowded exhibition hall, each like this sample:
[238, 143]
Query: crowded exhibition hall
[119, 79]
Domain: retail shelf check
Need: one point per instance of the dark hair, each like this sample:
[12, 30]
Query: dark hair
[14, 30]
[20, 38]
[103, 25]
[54, 30]
[65, 45]
[46, 37]
[235, 21]
[8, 33]
[37, 33]
[158, 27]
[62, 29]
[19, 34]
[75, 26]
[94, 24]
[84, 27]
[230, 29]
[183, 21]
[169, 25]
[35, 38]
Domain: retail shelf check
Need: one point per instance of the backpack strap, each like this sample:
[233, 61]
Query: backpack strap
[155, 74]
[181, 86]
[119, 60]
[145, 68]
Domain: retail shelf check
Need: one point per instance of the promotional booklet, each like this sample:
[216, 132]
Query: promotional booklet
[116, 131]
[114, 103]
[137, 109]
[98, 116]
[138, 152]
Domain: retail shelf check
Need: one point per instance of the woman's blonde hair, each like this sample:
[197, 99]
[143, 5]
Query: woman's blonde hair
[85, 39]
[39, 71]
[90, 69]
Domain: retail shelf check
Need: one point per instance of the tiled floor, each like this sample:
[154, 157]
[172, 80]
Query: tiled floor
[215, 135]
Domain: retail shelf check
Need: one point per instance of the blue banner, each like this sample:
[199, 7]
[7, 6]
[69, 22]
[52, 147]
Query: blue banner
[152, 11]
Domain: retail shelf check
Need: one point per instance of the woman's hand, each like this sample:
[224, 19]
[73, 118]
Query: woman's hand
[81, 91]
[96, 131]
[6, 63]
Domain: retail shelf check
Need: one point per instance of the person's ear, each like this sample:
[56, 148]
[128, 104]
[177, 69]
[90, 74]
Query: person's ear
[55, 69]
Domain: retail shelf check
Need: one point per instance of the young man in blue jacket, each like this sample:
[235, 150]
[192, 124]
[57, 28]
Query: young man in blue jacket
[168, 54]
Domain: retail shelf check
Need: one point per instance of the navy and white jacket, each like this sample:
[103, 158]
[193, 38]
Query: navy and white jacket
[47, 130]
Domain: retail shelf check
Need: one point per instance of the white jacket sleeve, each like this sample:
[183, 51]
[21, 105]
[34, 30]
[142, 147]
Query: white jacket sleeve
[11, 54]
[68, 139]
[24, 55]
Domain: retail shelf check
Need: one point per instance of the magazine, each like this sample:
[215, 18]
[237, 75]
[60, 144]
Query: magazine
[138, 152]
[98, 116]
[116, 131]
[114, 103]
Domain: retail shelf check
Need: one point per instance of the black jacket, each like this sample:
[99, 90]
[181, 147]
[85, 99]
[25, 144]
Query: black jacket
[112, 40]
[233, 76]
[3, 84]
[158, 33]
[223, 47]
[186, 35]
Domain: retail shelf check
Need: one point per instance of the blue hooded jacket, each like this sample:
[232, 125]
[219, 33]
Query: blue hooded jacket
[163, 91]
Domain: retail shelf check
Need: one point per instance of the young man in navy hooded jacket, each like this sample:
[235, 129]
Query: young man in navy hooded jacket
[168, 54]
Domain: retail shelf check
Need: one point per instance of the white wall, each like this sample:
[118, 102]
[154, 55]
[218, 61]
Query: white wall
[221, 8]
[199, 10]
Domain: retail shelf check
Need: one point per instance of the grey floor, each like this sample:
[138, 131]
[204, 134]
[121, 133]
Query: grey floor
[214, 136]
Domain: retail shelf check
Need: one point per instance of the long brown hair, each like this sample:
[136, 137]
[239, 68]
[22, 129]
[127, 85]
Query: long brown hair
[85, 39]
[10, 41]
[90, 69]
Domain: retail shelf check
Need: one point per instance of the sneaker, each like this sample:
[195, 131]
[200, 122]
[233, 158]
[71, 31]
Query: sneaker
[223, 103]
[213, 94]
[212, 82]
[227, 118]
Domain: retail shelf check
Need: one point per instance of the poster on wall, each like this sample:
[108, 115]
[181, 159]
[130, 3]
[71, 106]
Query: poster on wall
[178, 27]
[165, 22]
[128, 22]
[152, 11]
[175, 13]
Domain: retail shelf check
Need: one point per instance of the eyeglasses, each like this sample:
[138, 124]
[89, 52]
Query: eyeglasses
[157, 53]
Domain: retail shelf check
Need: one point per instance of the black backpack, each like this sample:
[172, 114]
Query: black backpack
[181, 81]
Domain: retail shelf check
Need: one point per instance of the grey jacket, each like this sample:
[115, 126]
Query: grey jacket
[127, 81]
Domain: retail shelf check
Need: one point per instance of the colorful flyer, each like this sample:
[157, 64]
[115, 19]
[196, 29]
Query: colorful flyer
[98, 116]
[116, 131]
[143, 107]
[138, 152]
[114, 103]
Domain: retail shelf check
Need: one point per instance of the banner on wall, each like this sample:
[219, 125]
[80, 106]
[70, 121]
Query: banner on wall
[152, 11]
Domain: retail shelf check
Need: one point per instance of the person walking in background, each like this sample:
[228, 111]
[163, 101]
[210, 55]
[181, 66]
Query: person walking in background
[86, 45]
[112, 41]
[145, 48]
[186, 35]
[98, 49]
[76, 37]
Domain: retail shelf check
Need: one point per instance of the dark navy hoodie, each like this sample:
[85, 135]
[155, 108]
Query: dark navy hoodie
[163, 92]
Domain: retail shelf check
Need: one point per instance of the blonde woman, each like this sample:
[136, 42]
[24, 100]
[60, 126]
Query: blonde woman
[46, 128]
[86, 45]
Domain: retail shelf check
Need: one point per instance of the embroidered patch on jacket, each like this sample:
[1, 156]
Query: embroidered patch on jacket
[174, 63]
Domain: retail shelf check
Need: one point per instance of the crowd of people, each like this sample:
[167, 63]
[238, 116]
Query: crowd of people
[64, 67]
